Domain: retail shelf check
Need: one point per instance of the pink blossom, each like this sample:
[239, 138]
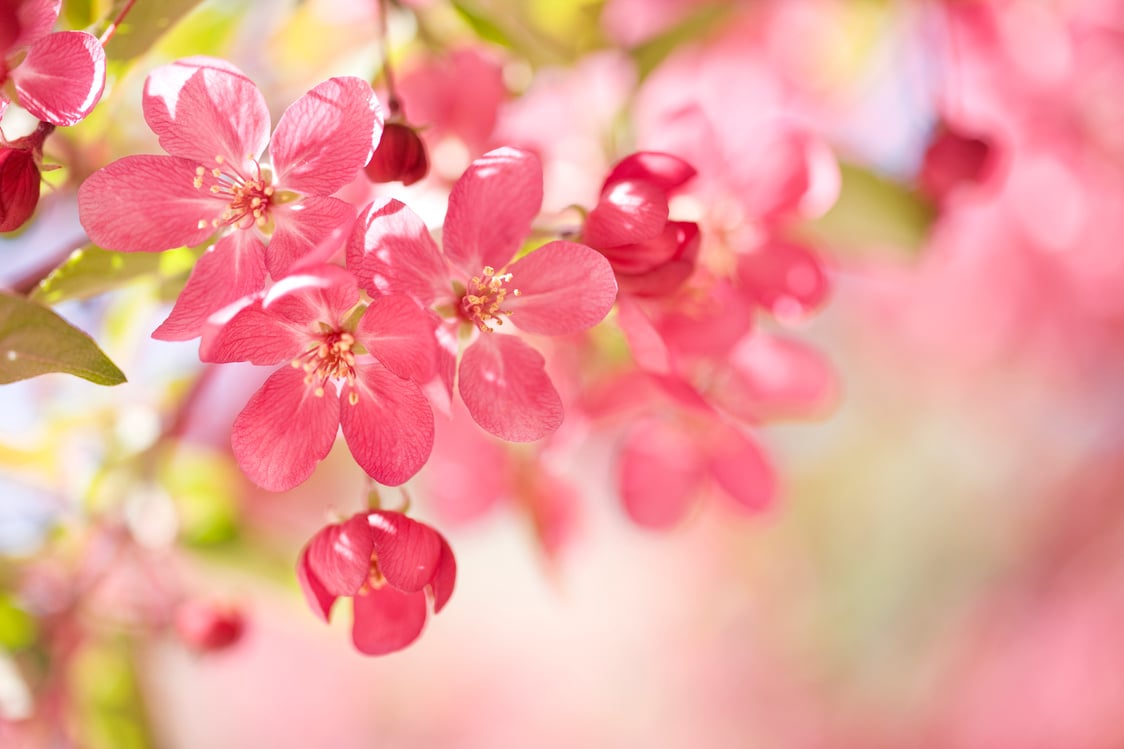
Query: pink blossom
[629, 225]
[207, 627]
[214, 123]
[388, 565]
[348, 367]
[61, 75]
[558, 289]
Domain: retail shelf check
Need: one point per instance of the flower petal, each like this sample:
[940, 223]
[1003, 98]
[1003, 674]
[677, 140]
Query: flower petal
[662, 170]
[491, 208]
[325, 137]
[408, 551]
[387, 620]
[391, 252]
[445, 578]
[340, 555]
[628, 212]
[505, 387]
[389, 430]
[401, 336]
[308, 232]
[741, 469]
[62, 77]
[146, 204]
[284, 431]
[564, 288]
[317, 596]
[254, 335]
[776, 378]
[202, 107]
[659, 473]
[785, 278]
[36, 18]
[668, 276]
[19, 187]
[231, 269]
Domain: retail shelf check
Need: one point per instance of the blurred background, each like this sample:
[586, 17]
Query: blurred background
[943, 565]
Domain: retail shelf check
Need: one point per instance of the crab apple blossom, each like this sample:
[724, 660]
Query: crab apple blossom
[347, 366]
[20, 165]
[475, 283]
[388, 565]
[58, 77]
[213, 122]
[650, 254]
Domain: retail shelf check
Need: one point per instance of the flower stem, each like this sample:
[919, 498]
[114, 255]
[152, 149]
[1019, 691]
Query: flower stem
[112, 28]
[393, 103]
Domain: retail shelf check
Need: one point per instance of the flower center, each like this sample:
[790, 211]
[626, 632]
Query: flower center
[248, 197]
[332, 359]
[481, 302]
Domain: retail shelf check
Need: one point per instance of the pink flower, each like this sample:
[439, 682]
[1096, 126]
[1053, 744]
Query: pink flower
[629, 225]
[207, 627]
[214, 123]
[558, 289]
[61, 75]
[348, 367]
[388, 564]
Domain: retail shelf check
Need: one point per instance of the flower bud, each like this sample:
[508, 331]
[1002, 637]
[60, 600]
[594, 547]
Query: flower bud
[954, 159]
[19, 186]
[400, 156]
[206, 627]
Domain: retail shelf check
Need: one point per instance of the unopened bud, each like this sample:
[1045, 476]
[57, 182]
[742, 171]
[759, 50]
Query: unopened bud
[954, 159]
[206, 627]
[400, 156]
[19, 186]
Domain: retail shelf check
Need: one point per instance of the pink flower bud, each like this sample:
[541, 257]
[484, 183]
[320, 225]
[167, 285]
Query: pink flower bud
[400, 156]
[19, 185]
[206, 627]
[954, 159]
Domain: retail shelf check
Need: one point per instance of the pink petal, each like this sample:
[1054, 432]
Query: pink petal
[146, 204]
[62, 77]
[741, 469]
[445, 579]
[216, 111]
[649, 350]
[36, 18]
[628, 212]
[707, 325]
[644, 256]
[284, 431]
[785, 278]
[664, 278]
[339, 555]
[321, 295]
[401, 336]
[408, 551]
[308, 232]
[317, 596]
[662, 170]
[659, 473]
[564, 288]
[491, 209]
[19, 187]
[325, 137]
[254, 335]
[391, 252]
[231, 269]
[505, 387]
[387, 620]
[389, 430]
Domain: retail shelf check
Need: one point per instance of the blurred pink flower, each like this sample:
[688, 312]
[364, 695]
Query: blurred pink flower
[387, 564]
[214, 123]
[61, 75]
[558, 289]
[374, 361]
[207, 627]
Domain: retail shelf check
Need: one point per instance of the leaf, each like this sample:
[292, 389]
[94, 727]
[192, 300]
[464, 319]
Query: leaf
[699, 24]
[204, 484]
[144, 25]
[484, 28]
[873, 213]
[91, 271]
[34, 341]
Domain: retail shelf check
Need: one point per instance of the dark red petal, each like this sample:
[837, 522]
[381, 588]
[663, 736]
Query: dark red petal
[317, 596]
[663, 170]
[19, 187]
[445, 578]
[628, 212]
[387, 620]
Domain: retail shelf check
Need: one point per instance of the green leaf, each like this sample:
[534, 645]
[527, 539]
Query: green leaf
[145, 24]
[651, 53]
[17, 628]
[873, 213]
[204, 485]
[484, 27]
[34, 341]
[91, 271]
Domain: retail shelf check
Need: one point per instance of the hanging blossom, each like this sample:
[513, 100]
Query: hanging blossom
[21, 163]
[388, 565]
[272, 217]
[476, 285]
[58, 77]
[347, 365]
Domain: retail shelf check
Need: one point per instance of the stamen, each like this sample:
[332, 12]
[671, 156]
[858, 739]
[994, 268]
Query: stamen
[482, 300]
